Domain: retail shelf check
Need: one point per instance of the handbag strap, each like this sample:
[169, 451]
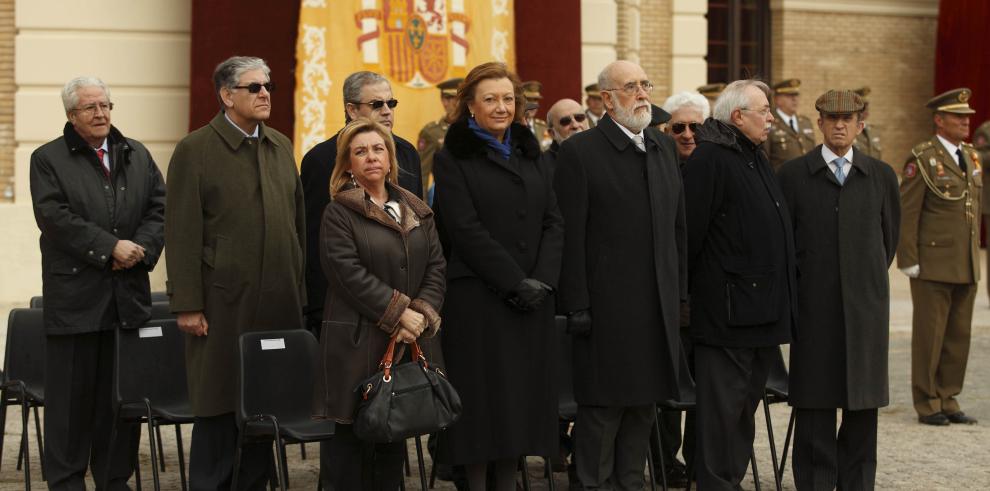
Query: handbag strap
[389, 358]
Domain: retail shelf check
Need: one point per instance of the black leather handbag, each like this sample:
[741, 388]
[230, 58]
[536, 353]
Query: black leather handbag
[411, 399]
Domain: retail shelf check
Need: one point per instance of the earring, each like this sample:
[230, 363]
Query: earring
[353, 181]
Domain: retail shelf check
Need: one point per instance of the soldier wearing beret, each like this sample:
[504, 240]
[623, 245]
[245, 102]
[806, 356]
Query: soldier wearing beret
[791, 135]
[596, 108]
[940, 251]
[868, 140]
[431, 136]
[532, 90]
[845, 209]
[711, 92]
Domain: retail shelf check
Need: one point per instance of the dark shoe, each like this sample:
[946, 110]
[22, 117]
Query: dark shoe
[960, 418]
[676, 475]
[937, 419]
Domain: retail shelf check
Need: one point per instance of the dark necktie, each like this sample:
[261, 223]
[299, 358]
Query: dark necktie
[99, 156]
[793, 124]
[962, 163]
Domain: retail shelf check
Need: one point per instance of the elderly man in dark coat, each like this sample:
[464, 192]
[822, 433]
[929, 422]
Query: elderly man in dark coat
[368, 95]
[99, 201]
[845, 206]
[742, 278]
[622, 279]
[235, 262]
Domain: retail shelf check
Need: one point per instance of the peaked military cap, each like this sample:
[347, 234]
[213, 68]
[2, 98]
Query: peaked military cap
[449, 87]
[658, 115]
[532, 90]
[839, 102]
[789, 86]
[954, 101]
[593, 90]
[711, 91]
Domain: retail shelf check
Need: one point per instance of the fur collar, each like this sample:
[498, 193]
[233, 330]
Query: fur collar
[463, 143]
[76, 142]
[414, 209]
[723, 135]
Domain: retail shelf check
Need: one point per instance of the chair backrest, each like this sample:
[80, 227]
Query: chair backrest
[37, 302]
[159, 297]
[777, 379]
[24, 357]
[161, 310]
[566, 405]
[276, 374]
[150, 362]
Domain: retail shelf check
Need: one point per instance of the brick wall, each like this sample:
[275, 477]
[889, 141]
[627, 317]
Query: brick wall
[655, 45]
[894, 55]
[7, 89]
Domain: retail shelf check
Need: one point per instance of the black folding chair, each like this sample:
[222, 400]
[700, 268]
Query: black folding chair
[150, 385]
[275, 390]
[24, 379]
[37, 302]
[777, 392]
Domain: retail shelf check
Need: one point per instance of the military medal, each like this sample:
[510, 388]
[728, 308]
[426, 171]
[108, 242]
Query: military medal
[976, 163]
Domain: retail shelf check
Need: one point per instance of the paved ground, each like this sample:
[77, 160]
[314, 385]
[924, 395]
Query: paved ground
[912, 456]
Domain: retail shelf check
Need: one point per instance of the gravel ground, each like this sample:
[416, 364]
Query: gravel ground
[911, 456]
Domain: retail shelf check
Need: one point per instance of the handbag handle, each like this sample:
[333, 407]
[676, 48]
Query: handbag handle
[387, 360]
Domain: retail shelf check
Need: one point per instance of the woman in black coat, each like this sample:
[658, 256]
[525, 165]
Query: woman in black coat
[502, 235]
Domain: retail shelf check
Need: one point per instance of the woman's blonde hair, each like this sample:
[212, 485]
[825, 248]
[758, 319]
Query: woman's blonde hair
[340, 175]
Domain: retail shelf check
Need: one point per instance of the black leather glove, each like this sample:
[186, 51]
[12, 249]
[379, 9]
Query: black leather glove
[528, 295]
[579, 323]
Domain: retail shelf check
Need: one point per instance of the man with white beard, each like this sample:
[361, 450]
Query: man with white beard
[623, 277]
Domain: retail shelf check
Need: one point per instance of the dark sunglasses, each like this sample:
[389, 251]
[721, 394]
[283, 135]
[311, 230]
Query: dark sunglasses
[566, 120]
[678, 128]
[255, 87]
[376, 105]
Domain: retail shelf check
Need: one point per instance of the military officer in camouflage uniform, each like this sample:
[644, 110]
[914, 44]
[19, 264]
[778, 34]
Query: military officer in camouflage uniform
[868, 140]
[431, 136]
[940, 251]
[791, 135]
[596, 108]
[532, 90]
[711, 92]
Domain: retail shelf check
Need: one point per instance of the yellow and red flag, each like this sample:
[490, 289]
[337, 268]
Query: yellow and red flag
[414, 43]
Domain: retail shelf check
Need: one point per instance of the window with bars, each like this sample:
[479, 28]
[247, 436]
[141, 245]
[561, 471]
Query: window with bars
[738, 40]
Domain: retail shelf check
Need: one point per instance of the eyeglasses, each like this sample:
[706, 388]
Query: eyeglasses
[678, 128]
[762, 112]
[255, 87]
[631, 87]
[90, 109]
[378, 104]
[566, 120]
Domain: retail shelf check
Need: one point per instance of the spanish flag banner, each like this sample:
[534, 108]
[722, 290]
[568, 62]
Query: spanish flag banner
[414, 43]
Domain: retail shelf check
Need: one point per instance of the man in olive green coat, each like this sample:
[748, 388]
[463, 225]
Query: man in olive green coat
[235, 261]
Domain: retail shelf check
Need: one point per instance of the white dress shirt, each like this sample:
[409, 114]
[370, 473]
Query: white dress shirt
[951, 148]
[106, 154]
[829, 156]
[232, 123]
[632, 136]
[787, 119]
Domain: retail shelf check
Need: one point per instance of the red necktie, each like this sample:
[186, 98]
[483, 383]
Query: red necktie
[99, 156]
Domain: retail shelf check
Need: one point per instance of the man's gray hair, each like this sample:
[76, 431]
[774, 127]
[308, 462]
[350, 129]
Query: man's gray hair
[734, 97]
[229, 72]
[70, 93]
[688, 99]
[357, 81]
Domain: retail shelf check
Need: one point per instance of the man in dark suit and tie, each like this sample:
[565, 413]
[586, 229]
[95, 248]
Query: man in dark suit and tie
[623, 277]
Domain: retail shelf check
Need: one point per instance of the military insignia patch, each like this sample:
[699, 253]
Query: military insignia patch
[910, 170]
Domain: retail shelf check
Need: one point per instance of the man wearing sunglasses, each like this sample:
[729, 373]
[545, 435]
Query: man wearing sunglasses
[368, 95]
[565, 118]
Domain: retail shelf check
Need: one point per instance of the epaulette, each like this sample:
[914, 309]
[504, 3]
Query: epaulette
[966, 145]
[921, 147]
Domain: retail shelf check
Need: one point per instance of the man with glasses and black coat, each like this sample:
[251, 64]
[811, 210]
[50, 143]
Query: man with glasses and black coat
[368, 95]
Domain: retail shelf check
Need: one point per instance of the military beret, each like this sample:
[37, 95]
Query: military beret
[789, 86]
[954, 101]
[711, 91]
[532, 89]
[593, 91]
[449, 87]
[839, 102]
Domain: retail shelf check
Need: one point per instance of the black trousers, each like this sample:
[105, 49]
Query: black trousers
[211, 456]
[610, 446]
[731, 383]
[79, 415]
[824, 460]
[347, 462]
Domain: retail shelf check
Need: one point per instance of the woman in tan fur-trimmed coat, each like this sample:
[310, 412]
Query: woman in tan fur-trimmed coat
[386, 277]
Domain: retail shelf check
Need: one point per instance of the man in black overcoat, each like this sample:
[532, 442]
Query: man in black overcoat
[368, 95]
[623, 277]
[845, 207]
[742, 277]
[99, 200]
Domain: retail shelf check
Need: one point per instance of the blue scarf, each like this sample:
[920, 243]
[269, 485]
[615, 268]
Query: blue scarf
[503, 148]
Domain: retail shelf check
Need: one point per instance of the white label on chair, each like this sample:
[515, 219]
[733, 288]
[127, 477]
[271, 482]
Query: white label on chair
[150, 332]
[267, 344]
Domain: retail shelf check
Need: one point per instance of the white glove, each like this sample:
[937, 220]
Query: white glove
[912, 271]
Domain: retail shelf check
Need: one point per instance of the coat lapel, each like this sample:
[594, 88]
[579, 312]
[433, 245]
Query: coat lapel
[949, 162]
